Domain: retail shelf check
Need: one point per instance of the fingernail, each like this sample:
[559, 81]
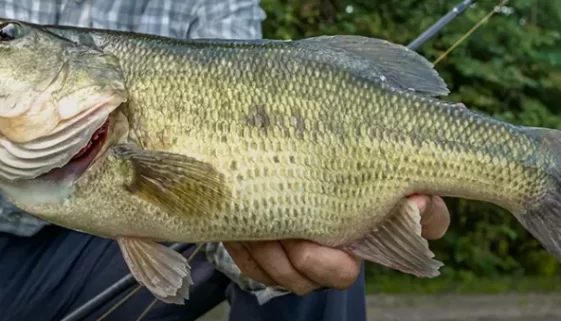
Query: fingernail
[420, 200]
[422, 203]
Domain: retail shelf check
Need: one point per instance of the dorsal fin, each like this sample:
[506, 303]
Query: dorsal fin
[379, 59]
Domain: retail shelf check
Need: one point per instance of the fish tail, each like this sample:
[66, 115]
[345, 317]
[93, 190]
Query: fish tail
[541, 215]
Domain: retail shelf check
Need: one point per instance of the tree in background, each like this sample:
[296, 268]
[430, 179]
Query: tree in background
[510, 68]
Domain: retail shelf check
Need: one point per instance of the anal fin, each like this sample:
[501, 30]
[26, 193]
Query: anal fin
[397, 243]
[163, 271]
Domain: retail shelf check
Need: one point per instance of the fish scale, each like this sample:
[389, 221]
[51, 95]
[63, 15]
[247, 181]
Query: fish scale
[320, 139]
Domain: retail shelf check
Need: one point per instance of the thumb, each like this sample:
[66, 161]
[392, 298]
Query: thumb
[435, 218]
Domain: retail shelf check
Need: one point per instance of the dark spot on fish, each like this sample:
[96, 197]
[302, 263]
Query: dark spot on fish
[234, 165]
[276, 159]
[258, 117]
[291, 159]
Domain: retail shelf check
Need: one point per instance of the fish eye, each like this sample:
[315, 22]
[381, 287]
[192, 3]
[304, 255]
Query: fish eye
[10, 31]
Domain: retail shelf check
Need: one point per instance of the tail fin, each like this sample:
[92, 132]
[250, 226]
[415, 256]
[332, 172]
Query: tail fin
[542, 216]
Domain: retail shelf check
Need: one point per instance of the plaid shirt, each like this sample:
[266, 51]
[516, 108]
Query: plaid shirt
[234, 19]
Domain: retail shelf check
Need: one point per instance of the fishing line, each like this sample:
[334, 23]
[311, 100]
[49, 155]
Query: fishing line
[145, 312]
[118, 288]
[155, 300]
[472, 30]
[118, 304]
[138, 287]
[441, 23]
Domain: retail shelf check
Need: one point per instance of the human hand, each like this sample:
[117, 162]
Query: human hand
[302, 266]
[435, 217]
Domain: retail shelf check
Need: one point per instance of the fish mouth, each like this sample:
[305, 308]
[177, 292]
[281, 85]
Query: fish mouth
[57, 184]
[85, 157]
[99, 136]
[35, 158]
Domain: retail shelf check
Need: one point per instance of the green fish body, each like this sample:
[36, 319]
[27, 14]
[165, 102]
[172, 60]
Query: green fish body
[320, 139]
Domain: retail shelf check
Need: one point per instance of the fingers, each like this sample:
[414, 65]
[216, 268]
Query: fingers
[326, 266]
[270, 259]
[247, 264]
[271, 256]
[296, 265]
[301, 266]
[435, 218]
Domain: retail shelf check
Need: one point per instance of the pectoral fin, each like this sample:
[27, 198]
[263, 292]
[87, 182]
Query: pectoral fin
[163, 271]
[398, 243]
[179, 184]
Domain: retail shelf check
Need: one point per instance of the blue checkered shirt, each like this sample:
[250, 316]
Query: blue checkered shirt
[233, 19]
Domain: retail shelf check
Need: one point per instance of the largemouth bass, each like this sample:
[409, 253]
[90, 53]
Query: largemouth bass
[199, 141]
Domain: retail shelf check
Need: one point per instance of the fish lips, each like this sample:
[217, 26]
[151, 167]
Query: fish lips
[29, 160]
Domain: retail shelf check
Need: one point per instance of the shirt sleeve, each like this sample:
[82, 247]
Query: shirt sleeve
[17, 222]
[227, 19]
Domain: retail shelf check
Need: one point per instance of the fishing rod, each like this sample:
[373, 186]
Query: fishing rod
[441, 23]
[128, 282]
[123, 285]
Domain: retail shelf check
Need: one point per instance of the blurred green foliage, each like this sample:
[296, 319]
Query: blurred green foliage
[510, 68]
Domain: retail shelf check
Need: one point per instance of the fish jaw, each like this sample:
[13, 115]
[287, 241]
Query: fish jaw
[38, 94]
[51, 105]
[51, 112]
[31, 159]
[57, 185]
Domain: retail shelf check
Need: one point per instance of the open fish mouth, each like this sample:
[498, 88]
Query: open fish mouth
[69, 141]
[82, 160]
[98, 137]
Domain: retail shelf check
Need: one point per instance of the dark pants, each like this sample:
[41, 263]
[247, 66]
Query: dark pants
[45, 277]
